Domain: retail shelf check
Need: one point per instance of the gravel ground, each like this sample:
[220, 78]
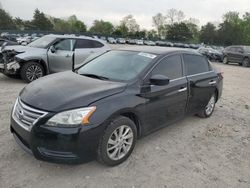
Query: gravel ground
[195, 152]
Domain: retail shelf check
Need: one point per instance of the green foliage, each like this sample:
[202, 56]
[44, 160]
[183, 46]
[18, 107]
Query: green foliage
[179, 32]
[76, 25]
[6, 21]
[233, 30]
[102, 28]
[208, 34]
[41, 22]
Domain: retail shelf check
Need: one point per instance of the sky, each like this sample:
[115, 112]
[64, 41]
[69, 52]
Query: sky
[115, 10]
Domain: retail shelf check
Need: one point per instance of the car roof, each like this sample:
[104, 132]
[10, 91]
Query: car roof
[158, 50]
[73, 37]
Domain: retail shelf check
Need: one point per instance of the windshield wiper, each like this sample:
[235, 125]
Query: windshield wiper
[95, 76]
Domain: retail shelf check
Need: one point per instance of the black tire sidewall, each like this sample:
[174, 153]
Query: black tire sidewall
[225, 58]
[246, 62]
[102, 148]
[25, 67]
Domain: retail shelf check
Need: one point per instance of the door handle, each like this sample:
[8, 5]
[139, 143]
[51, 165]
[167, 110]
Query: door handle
[68, 55]
[182, 89]
[212, 82]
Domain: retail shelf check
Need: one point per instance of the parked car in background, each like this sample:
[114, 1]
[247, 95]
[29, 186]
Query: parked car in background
[237, 54]
[111, 40]
[149, 88]
[103, 38]
[49, 54]
[160, 43]
[121, 41]
[149, 43]
[170, 44]
[7, 42]
[131, 41]
[211, 54]
[139, 42]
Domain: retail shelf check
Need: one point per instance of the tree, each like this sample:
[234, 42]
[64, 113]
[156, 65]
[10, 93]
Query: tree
[101, 27]
[175, 16]
[6, 21]
[61, 25]
[208, 34]
[231, 31]
[76, 25]
[130, 23]
[179, 32]
[159, 22]
[40, 21]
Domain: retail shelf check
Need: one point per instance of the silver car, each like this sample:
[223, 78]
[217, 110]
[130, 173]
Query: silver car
[48, 54]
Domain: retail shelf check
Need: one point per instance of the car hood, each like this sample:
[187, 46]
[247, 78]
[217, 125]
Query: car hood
[67, 90]
[25, 52]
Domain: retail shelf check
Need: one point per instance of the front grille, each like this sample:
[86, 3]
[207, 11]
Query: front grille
[26, 116]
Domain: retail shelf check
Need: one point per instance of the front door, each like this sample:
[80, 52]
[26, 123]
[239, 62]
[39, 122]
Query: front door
[165, 104]
[62, 58]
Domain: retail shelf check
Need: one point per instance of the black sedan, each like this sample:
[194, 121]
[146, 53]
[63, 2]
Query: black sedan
[103, 107]
[211, 54]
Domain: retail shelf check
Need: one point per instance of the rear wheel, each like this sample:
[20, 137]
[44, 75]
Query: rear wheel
[118, 141]
[246, 63]
[209, 109]
[225, 60]
[31, 71]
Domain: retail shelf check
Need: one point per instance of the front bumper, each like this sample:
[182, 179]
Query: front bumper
[10, 68]
[61, 145]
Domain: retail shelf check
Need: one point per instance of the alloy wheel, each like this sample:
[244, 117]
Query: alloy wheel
[210, 106]
[34, 72]
[120, 142]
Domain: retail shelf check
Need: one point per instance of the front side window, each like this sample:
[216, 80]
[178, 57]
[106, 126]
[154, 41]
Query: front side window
[118, 65]
[66, 45]
[195, 64]
[170, 67]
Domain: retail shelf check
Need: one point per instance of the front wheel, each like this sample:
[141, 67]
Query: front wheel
[225, 60]
[246, 62]
[118, 141]
[31, 71]
[209, 109]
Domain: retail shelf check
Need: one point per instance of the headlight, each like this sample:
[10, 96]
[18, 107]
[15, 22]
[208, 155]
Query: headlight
[71, 118]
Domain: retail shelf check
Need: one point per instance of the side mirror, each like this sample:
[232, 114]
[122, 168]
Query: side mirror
[241, 51]
[52, 49]
[159, 80]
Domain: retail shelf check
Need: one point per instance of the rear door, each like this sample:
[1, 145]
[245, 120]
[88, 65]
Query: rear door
[62, 58]
[202, 81]
[84, 48]
[238, 55]
[166, 104]
[230, 54]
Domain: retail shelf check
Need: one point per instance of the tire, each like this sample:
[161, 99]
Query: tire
[209, 108]
[111, 149]
[31, 71]
[225, 60]
[246, 63]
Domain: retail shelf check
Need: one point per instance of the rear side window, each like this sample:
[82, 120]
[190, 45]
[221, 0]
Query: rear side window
[195, 64]
[170, 67]
[85, 43]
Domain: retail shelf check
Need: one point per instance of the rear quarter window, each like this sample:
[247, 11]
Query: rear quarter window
[196, 64]
[85, 43]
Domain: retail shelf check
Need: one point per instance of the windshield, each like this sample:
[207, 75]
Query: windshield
[42, 42]
[247, 49]
[118, 65]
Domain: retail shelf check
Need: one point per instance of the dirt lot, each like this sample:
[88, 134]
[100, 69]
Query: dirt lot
[196, 152]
